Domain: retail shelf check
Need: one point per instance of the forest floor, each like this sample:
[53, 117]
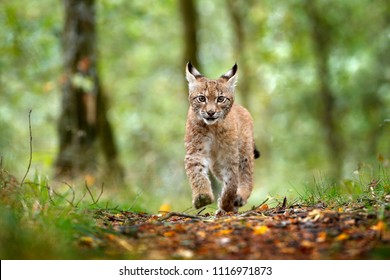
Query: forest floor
[293, 232]
[38, 225]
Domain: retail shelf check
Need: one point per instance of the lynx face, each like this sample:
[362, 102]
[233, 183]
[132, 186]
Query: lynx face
[211, 100]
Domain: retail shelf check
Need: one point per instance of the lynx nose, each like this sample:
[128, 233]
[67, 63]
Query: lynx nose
[210, 113]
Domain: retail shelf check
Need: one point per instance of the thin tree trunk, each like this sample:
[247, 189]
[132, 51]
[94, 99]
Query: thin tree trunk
[372, 104]
[83, 118]
[321, 40]
[189, 15]
[237, 13]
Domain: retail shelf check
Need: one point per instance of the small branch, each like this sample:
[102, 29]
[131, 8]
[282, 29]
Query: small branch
[95, 201]
[201, 210]
[81, 199]
[90, 194]
[250, 213]
[101, 192]
[177, 214]
[30, 160]
[63, 197]
[284, 203]
[73, 192]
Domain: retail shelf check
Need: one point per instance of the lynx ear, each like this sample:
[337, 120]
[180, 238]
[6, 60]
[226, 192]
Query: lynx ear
[191, 73]
[231, 76]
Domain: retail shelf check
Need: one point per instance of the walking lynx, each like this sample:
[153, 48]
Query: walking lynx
[219, 137]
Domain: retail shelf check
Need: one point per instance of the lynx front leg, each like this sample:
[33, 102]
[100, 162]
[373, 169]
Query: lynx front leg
[197, 172]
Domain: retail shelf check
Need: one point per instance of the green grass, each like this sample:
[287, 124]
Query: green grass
[43, 221]
[367, 188]
[39, 223]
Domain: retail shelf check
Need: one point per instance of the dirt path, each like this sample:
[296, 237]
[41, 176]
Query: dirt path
[296, 232]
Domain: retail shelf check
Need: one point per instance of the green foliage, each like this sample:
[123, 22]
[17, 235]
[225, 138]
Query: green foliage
[369, 187]
[140, 47]
[40, 221]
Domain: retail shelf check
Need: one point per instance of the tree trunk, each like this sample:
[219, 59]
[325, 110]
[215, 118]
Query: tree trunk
[190, 22]
[373, 105]
[321, 40]
[237, 12]
[83, 120]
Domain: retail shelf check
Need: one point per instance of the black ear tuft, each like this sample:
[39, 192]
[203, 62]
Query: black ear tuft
[231, 72]
[189, 66]
[192, 70]
[234, 69]
[256, 153]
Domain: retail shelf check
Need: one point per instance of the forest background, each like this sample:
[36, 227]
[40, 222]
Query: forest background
[315, 76]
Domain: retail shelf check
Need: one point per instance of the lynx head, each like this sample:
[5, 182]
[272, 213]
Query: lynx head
[211, 100]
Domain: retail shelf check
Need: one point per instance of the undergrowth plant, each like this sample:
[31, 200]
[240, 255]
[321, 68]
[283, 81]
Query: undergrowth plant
[39, 222]
[370, 189]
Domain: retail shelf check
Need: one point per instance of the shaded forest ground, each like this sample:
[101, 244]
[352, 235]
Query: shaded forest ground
[38, 223]
[294, 232]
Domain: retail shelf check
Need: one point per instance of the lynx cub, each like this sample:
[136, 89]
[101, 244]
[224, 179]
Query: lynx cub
[219, 137]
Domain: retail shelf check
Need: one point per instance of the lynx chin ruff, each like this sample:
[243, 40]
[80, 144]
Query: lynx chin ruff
[219, 137]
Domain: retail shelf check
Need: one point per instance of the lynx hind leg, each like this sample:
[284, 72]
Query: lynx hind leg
[246, 178]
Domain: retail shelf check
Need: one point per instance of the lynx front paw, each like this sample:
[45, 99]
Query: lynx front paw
[202, 200]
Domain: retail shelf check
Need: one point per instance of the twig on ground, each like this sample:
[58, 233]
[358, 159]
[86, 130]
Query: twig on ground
[73, 192]
[81, 199]
[90, 193]
[284, 203]
[101, 192]
[201, 210]
[30, 159]
[63, 197]
[177, 214]
[250, 213]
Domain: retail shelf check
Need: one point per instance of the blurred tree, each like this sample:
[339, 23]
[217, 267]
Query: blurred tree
[321, 36]
[373, 104]
[83, 121]
[190, 24]
[237, 11]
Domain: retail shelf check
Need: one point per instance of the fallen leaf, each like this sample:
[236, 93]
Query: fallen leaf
[169, 233]
[321, 237]
[341, 237]
[124, 244]
[380, 226]
[263, 207]
[307, 244]
[201, 234]
[164, 208]
[110, 236]
[224, 232]
[313, 215]
[87, 241]
[260, 230]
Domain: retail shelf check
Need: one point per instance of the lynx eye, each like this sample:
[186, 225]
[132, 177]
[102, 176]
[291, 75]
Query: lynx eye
[221, 99]
[201, 98]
